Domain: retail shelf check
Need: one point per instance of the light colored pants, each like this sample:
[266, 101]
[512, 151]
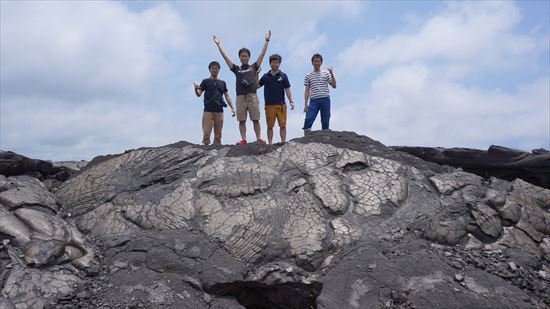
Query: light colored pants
[248, 103]
[212, 120]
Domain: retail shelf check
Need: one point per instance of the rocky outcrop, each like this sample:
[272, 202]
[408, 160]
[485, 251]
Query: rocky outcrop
[335, 220]
[52, 174]
[74, 165]
[499, 162]
[35, 241]
[415, 274]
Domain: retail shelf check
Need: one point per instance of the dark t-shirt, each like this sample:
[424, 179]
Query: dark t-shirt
[213, 94]
[246, 78]
[274, 87]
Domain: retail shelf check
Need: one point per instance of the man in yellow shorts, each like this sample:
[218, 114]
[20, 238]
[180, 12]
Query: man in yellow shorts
[276, 84]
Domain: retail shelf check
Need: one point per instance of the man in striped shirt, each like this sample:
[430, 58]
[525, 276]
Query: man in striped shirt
[317, 94]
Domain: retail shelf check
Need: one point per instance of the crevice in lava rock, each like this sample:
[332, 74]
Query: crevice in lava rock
[256, 295]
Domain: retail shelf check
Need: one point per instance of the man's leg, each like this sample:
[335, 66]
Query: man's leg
[270, 135]
[281, 120]
[218, 125]
[241, 115]
[242, 129]
[325, 113]
[270, 121]
[254, 112]
[311, 114]
[257, 129]
[282, 132]
[207, 124]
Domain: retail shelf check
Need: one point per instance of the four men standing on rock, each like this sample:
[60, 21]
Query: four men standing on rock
[276, 85]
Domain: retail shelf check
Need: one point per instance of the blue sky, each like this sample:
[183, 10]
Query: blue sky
[86, 78]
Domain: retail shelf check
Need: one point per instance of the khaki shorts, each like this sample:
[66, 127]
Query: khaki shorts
[275, 111]
[248, 103]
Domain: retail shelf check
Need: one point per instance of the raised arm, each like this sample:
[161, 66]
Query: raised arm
[258, 77]
[264, 49]
[224, 55]
[333, 83]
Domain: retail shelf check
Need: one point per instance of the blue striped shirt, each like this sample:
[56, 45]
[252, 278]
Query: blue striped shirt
[318, 84]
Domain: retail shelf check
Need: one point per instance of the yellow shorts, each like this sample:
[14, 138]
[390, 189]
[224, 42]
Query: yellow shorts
[248, 103]
[275, 111]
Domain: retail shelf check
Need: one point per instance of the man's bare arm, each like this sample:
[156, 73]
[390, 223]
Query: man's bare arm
[289, 96]
[306, 98]
[224, 55]
[264, 49]
[258, 77]
[228, 99]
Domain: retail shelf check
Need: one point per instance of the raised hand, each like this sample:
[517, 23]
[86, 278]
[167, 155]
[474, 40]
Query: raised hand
[333, 82]
[197, 87]
[216, 39]
[268, 35]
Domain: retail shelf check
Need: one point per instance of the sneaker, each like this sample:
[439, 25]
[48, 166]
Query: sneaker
[241, 142]
[260, 142]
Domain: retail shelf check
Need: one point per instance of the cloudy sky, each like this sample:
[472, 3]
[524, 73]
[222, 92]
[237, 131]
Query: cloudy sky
[85, 78]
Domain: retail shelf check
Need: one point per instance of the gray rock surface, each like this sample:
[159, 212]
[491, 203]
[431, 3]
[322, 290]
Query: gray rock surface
[13, 164]
[335, 220]
[413, 275]
[35, 241]
[74, 165]
[496, 161]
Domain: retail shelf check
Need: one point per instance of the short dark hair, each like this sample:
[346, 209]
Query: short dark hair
[275, 57]
[213, 63]
[244, 50]
[317, 56]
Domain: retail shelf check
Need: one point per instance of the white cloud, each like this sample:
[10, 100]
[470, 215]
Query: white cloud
[84, 50]
[294, 25]
[476, 32]
[86, 78]
[300, 53]
[76, 77]
[413, 105]
[164, 28]
[420, 98]
[51, 129]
